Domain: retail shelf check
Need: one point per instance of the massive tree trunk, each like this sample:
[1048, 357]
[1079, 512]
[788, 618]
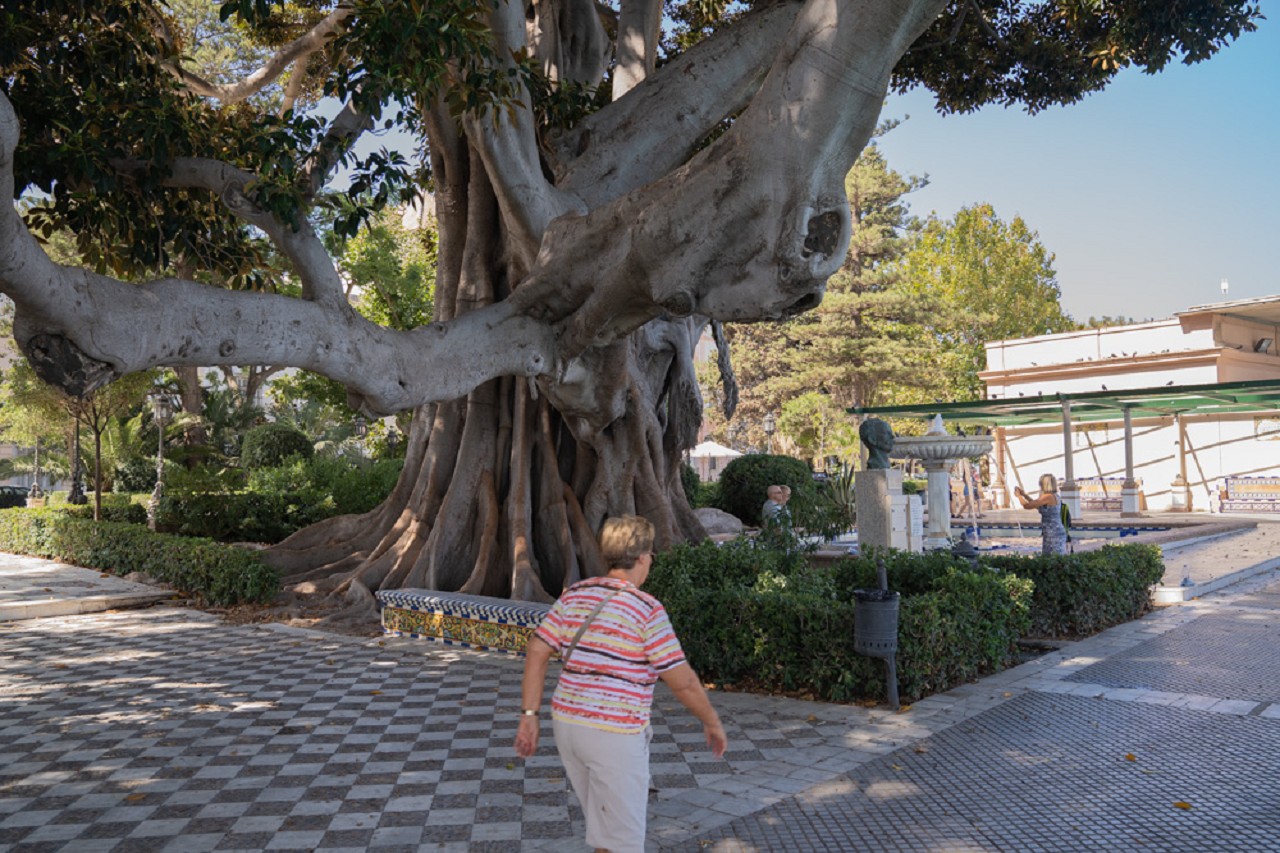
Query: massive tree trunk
[556, 386]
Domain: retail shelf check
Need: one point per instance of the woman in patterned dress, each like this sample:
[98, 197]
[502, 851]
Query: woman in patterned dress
[1053, 533]
[600, 708]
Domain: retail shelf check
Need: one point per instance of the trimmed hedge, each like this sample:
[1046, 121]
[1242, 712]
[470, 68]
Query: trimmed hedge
[744, 481]
[209, 572]
[1081, 594]
[114, 508]
[745, 613]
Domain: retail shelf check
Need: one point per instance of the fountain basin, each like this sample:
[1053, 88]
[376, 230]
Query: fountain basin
[939, 448]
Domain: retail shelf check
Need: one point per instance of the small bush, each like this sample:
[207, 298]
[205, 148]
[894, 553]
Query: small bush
[209, 572]
[121, 508]
[745, 480]
[691, 482]
[1081, 594]
[270, 445]
[136, 474]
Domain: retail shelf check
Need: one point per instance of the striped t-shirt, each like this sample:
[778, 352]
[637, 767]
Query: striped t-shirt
[608, 681]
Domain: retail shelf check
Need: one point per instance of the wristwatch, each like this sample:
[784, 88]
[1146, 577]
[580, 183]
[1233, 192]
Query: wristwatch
[526, 712]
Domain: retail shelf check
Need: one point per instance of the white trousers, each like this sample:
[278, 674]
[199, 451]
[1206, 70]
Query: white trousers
[610, 774]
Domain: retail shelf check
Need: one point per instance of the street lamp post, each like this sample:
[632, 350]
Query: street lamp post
[393, 441]
[76, 494]
[162, 410]
[36, 491]
[362, 430]
[770, 424]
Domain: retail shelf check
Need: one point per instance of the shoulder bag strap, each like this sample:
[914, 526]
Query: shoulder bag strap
[582, 629]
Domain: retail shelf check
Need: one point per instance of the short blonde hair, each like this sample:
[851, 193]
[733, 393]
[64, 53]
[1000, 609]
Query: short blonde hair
[625, 539]
[1049, 483]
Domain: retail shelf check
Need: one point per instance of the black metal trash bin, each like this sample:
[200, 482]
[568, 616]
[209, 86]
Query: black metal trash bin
[875, 622]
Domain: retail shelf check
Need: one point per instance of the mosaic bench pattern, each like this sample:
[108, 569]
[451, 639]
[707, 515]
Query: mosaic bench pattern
[455, 619]
[1250, 494]
[1102, 493]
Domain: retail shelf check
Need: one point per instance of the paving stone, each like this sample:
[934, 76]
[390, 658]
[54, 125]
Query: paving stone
[1006, 781]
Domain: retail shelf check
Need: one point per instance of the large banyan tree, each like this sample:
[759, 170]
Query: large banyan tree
[609, 177]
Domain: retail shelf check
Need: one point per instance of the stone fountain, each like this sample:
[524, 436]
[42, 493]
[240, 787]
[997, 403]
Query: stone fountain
[937, 451]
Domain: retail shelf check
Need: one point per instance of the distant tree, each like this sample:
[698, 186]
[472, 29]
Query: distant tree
[985, 280]
[1106, 321]
[818, 427]
[34, 410]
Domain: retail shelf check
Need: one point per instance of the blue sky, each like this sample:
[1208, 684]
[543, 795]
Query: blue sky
[1149, 193]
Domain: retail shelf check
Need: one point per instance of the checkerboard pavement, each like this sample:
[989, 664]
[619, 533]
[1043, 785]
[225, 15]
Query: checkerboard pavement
[165, 729]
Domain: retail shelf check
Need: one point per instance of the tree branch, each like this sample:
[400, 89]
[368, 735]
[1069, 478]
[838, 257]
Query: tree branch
[346, 126]
[298, 241]
[657, 126]
[82, 330]
[303, 46]
[637, 46]
[507, 141]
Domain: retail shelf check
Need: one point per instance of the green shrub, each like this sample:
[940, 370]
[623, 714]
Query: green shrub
[745, 480]
[120, 508]
[749, 614]
[1081, 594]
[209, 572]
[271, 444]
[280, 501]
[239, 516]
[691, 482]
[708, 495]
[136, 474]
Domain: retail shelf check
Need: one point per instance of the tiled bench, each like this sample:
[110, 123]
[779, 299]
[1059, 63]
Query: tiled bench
[475, 621]
[1102, 493]
[1249, 494]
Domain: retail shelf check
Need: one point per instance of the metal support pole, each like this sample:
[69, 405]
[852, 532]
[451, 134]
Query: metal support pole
[1129, 491]
[1068, 492]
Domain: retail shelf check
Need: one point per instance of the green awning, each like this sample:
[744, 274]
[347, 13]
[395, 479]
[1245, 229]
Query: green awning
[1221, 398]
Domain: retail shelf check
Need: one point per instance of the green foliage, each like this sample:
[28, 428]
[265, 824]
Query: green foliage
[1039, 54]
[136, 474]
[745, 480]
[749, 615]
[272, 444]
[989, 280]
[212, 573]
[690, 482]
[818, 426]
[1081, 594]
[277, 502]
[121, 508]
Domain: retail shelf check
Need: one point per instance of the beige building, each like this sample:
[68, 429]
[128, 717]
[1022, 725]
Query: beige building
[1151, 416]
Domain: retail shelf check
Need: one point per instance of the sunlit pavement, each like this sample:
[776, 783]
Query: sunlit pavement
[165, 729]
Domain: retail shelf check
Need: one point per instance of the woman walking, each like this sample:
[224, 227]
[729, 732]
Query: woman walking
[1053, 533]
[615, 642]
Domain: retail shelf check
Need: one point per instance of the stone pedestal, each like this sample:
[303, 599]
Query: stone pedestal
[873, 490]
[906, 523]
[1069, 494]
[1130, 506]
[1180, 495]
[937, 533]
